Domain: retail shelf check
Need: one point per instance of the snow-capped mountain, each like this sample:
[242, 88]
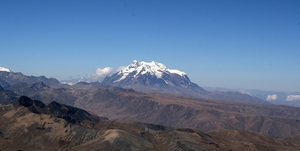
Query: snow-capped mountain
[153, 76]
[153, 68]
[4, 69]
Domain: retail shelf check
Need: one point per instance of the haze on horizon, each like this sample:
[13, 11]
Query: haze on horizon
[231, 44]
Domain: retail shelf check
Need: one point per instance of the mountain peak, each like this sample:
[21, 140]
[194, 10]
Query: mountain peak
[4, 69]
[136, 69]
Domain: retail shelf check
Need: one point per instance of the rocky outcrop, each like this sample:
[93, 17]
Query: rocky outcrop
[70, 114]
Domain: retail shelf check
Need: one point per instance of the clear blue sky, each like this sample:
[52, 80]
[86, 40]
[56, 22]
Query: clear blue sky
[227, 43]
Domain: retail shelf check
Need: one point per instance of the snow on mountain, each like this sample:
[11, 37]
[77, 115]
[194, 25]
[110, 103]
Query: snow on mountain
[142, 68]
[153, 77]
[4, 69]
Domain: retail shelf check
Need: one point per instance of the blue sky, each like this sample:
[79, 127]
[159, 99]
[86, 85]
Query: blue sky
[228, 43]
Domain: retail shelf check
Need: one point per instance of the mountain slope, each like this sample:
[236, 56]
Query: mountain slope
[6, 96]
[235, 97]
[165, 109]
[12, 78]
[41, 91]
[31, 125]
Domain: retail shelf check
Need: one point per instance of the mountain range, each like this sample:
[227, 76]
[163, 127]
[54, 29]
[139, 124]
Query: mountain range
[140, 76]
[40, 113]
[165, 109]
[8, 78]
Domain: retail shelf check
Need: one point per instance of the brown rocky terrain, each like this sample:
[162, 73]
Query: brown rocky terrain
[164, 109]
[31, 125]
[250, 141]
[128, 105]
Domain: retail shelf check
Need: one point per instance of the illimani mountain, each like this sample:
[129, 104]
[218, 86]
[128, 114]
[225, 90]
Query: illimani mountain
[153, 77]
[156, 77]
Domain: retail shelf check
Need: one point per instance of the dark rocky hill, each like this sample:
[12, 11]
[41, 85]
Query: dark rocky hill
[70, 114]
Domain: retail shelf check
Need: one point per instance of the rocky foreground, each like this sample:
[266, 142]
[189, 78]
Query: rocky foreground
[31, 125]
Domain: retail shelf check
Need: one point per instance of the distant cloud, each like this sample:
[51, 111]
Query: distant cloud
[101, 73]
[293, 98]
[245, 92]
[272, 97]
[98, 75]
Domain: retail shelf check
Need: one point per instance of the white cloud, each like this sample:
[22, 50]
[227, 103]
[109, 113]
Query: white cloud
[245, 92]
[98, 75]
[272, 97]
[293, 98]
[103, 72]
